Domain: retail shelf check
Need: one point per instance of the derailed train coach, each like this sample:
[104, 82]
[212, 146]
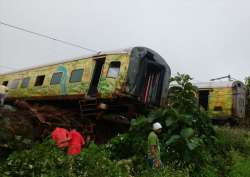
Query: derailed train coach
[225, 101]
[119, 83]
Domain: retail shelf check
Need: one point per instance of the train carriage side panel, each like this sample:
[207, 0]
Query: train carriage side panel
[220, 102]
[121, 73]
[39, 80]
[80, 87]
[2, 80]
[38, 86]
[14, 81]
[75, 78]
[114, 75]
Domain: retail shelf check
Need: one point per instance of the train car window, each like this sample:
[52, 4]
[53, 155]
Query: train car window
[39, 80]
[56, 78]
[5, 83]
[218, 108]
[25, 82]
[76, 75]
[114, 69]
[14, 83]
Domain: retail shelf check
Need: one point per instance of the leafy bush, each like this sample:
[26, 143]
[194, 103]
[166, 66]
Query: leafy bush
[240, 165]
[230, 140]
[131, 145]
[233, 139]
[46, 160]
[208, 171]
[190, 147]
[247, 83]
[94, 161]
[43, 159]
[166, 171]
[187, 137]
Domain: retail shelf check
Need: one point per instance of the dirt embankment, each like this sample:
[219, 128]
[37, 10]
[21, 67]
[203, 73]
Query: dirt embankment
[23, 120]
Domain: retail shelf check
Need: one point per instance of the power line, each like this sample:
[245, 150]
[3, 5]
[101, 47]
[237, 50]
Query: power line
[48, 37]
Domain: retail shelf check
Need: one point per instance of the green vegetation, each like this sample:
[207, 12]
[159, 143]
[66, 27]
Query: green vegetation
[46, 160]
[191, 147]
[247, 82]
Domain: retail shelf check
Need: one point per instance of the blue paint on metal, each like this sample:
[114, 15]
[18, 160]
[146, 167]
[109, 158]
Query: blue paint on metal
[63, 80]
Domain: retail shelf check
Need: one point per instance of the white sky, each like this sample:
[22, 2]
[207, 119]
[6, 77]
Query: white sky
[203, 38]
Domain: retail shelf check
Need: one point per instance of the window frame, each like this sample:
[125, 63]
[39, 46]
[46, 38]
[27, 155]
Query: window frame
[110, 67]
[26, 84]
[7, 82]
[52, 77]
[71, 75]
[36, 81]
[16, 84]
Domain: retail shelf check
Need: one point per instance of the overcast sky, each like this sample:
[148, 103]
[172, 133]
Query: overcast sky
[204, 38]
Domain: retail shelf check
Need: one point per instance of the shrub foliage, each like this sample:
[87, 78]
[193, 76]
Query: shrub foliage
[189, 143]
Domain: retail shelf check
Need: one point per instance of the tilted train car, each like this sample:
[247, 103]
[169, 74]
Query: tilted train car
[120, 82]
[224, 100]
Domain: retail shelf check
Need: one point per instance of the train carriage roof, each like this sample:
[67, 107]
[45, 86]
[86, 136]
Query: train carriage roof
[219, 84]
[69, 60]
[101, 53]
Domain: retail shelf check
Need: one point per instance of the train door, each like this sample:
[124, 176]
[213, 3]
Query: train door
[96, 76]
[153, 83]
[239, 95]
[203, 99]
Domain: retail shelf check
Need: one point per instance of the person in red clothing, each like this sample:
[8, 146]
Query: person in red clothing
[61, 137]
[75, 143]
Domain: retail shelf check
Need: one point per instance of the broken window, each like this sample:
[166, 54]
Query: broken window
[25, 82]
[114, 69]
[218, 108]
[14, 83]
[5, 83]
[39, 80]
[76, 75]
[56, 78]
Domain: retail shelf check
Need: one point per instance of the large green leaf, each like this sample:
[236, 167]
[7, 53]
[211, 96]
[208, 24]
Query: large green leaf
[169, 122]
[173, 139]
[158, 114]
[193, 143]
[187, 132]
